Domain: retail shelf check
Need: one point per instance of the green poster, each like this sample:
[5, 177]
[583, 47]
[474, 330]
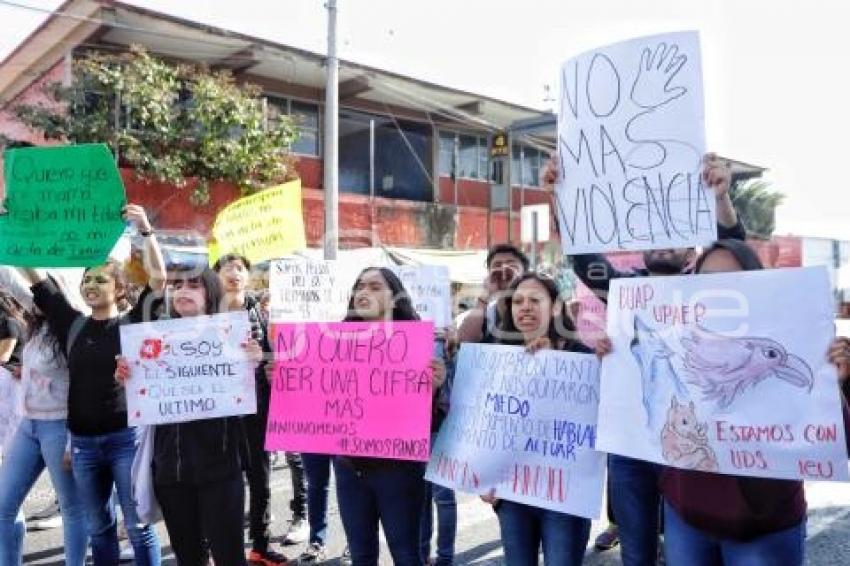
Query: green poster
[63, 206]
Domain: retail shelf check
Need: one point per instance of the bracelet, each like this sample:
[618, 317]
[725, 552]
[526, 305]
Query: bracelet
[145, 233]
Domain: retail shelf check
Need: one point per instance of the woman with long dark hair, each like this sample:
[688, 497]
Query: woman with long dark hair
[535, 318]
[197, 465]
[102, 445]
[41, 442]
[375, 492]
[723, 520]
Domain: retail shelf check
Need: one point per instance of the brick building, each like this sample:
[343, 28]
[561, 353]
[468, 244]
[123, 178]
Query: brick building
[414, 160]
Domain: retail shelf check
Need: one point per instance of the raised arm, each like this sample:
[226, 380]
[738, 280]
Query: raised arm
[152, 256]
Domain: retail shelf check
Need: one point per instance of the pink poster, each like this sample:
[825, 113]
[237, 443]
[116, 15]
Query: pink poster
[352, 388]
[590, 320]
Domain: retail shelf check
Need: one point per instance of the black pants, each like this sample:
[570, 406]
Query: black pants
[258, 470]
[298, 505]
[202, 516]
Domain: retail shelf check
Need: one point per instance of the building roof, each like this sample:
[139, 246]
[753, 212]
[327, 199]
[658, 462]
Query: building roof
[105, 24]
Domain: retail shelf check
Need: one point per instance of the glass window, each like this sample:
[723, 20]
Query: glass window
[468, 158]
[529, 162]
[447, 154]
[305, 116]
[483, 158]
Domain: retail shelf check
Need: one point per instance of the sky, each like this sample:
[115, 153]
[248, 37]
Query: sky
[776, 88]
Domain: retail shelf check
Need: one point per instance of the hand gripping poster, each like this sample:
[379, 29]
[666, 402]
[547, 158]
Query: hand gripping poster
[725, 373]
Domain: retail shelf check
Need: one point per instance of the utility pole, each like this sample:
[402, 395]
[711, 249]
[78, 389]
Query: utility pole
[331, 161]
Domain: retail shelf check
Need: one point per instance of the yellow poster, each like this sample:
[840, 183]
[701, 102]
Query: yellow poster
[262, 226]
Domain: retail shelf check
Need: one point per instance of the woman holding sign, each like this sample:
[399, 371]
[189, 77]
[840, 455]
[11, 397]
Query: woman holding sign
[376, 490]
[723, 520]
[535, 319]
[102, 445]
[197, 465]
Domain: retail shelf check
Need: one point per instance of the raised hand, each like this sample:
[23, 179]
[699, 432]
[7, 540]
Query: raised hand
[657, 70]
[717, 174]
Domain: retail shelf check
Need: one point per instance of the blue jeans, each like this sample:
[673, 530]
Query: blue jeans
[685, 545]
[392, 495]
[38, 444]
[99, 462]
[317, 468]
[524, 528]
[446, 503]
[636, 501]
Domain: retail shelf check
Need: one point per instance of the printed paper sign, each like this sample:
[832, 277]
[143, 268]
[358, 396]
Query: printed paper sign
[309, 290]
[188, 369]
[630, 143]
[357, 389]
[64, 206]
[262, 226]
[524, 425]
[708, 373]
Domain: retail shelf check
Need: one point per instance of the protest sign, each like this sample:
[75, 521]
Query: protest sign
[523, 425]
[707, 373]
[358, 389]
[315, 290]
[430, 291]
[10, 414]
[630, 143]
[188, 369]
[63, 206]
[262, 226]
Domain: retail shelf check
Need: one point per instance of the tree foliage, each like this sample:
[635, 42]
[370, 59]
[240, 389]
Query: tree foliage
[756, 203]
[169, 122]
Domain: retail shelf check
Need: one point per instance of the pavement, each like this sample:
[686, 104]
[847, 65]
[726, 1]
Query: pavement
[477, 542]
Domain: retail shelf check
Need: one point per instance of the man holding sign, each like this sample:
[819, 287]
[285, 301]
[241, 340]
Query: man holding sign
[362, 390]
[678, 109]
[199, 376]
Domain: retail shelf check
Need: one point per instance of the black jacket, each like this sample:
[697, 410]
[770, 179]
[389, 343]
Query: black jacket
[198, 451]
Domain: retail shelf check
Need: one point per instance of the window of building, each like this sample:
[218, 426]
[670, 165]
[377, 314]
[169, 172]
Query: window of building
[473, 156]
[526, 162]
[306, 119]
[402, 163]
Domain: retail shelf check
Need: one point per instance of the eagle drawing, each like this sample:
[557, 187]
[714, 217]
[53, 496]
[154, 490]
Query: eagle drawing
[723, 368]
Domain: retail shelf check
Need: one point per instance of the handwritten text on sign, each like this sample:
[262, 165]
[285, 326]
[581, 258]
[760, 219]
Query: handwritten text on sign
[309, 290]
[524, 425]
[356, 389]
[630, 142]
[64, 206]
[188, 369]
[707, 374]
[262, 226]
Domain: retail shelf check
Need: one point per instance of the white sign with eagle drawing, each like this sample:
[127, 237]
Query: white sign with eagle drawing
[725, 373]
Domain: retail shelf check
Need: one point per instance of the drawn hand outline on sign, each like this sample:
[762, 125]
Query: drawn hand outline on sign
[658, 378]
[684, 442]
[654, 67]
[723, 367]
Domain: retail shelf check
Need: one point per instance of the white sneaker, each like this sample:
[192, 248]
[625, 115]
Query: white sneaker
[127, 554]
[299, 531]
[47, 524]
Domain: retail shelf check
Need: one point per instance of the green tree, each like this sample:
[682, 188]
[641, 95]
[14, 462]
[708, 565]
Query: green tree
[756, 203]
[169, 122]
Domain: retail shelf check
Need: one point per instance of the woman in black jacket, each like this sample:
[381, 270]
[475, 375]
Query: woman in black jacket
[197, 464]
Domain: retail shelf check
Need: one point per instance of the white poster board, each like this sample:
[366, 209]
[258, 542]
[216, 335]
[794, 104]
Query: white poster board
[317, 290]
[630, 144]
[714, 373]
[188, 369]
[525, 426]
